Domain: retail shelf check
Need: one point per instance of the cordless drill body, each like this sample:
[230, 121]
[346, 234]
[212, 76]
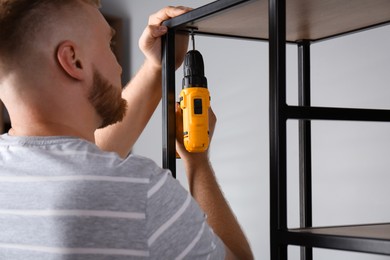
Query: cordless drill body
[195, 103]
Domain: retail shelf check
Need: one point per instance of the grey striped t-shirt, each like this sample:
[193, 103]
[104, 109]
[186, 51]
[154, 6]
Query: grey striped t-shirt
[63, 198]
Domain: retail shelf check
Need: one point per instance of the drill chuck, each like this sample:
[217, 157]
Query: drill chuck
[194, 70]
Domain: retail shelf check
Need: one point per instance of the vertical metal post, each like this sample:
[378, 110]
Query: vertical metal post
[168, 102]
[277, 99]
[305, 180]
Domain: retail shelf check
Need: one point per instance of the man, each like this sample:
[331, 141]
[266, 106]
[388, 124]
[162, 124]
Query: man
[62, 196]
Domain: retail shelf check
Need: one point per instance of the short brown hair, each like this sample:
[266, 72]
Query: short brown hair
[19, 19]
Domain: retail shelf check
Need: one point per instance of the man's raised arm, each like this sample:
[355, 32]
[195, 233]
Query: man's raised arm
[205, 190]
[143, 93]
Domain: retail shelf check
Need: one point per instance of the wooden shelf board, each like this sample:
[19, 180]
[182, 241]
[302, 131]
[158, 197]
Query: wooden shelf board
[373, 238]
[306, 19]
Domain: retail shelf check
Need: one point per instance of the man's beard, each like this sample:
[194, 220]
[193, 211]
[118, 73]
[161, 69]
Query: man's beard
[107, 100]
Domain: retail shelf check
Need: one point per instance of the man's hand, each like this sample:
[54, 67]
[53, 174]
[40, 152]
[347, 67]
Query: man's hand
[191, 158]
[150, 41]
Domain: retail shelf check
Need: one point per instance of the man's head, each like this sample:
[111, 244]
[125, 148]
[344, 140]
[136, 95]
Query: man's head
[22, 22]
[60, 48]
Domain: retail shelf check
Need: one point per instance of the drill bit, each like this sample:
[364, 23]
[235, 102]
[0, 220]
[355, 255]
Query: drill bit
[192, 39]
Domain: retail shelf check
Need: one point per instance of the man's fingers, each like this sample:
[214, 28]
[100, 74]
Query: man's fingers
[157, 30]
[167, 13]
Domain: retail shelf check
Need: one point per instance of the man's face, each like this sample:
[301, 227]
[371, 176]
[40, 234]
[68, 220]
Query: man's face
[105, 94]
[107, 100]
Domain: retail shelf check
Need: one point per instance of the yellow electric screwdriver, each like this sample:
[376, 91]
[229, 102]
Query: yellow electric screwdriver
[195, 103]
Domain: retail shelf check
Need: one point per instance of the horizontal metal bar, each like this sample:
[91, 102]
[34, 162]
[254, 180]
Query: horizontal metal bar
[329, 113]
[202, 12]
[211, 34]
[221, 35]
[347, 243]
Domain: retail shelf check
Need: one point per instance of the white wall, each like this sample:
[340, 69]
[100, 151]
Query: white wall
[350, 159]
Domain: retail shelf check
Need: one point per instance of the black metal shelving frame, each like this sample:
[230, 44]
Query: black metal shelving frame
[371, 238]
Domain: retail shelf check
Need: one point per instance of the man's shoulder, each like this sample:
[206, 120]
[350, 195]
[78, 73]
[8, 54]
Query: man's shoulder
[73, 156]
[139, 166]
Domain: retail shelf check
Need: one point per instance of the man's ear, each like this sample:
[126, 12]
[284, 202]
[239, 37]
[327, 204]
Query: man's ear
[69, 60]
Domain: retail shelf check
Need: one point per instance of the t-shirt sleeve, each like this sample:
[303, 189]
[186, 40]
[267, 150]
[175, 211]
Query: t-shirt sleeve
[176, 226]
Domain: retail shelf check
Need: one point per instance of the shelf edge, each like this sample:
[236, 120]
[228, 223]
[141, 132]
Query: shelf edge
[303, 237]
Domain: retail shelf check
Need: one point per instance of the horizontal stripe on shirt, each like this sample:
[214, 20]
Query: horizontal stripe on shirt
[82, 251]
[38, 149]
[75, 213]
[72, 178]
